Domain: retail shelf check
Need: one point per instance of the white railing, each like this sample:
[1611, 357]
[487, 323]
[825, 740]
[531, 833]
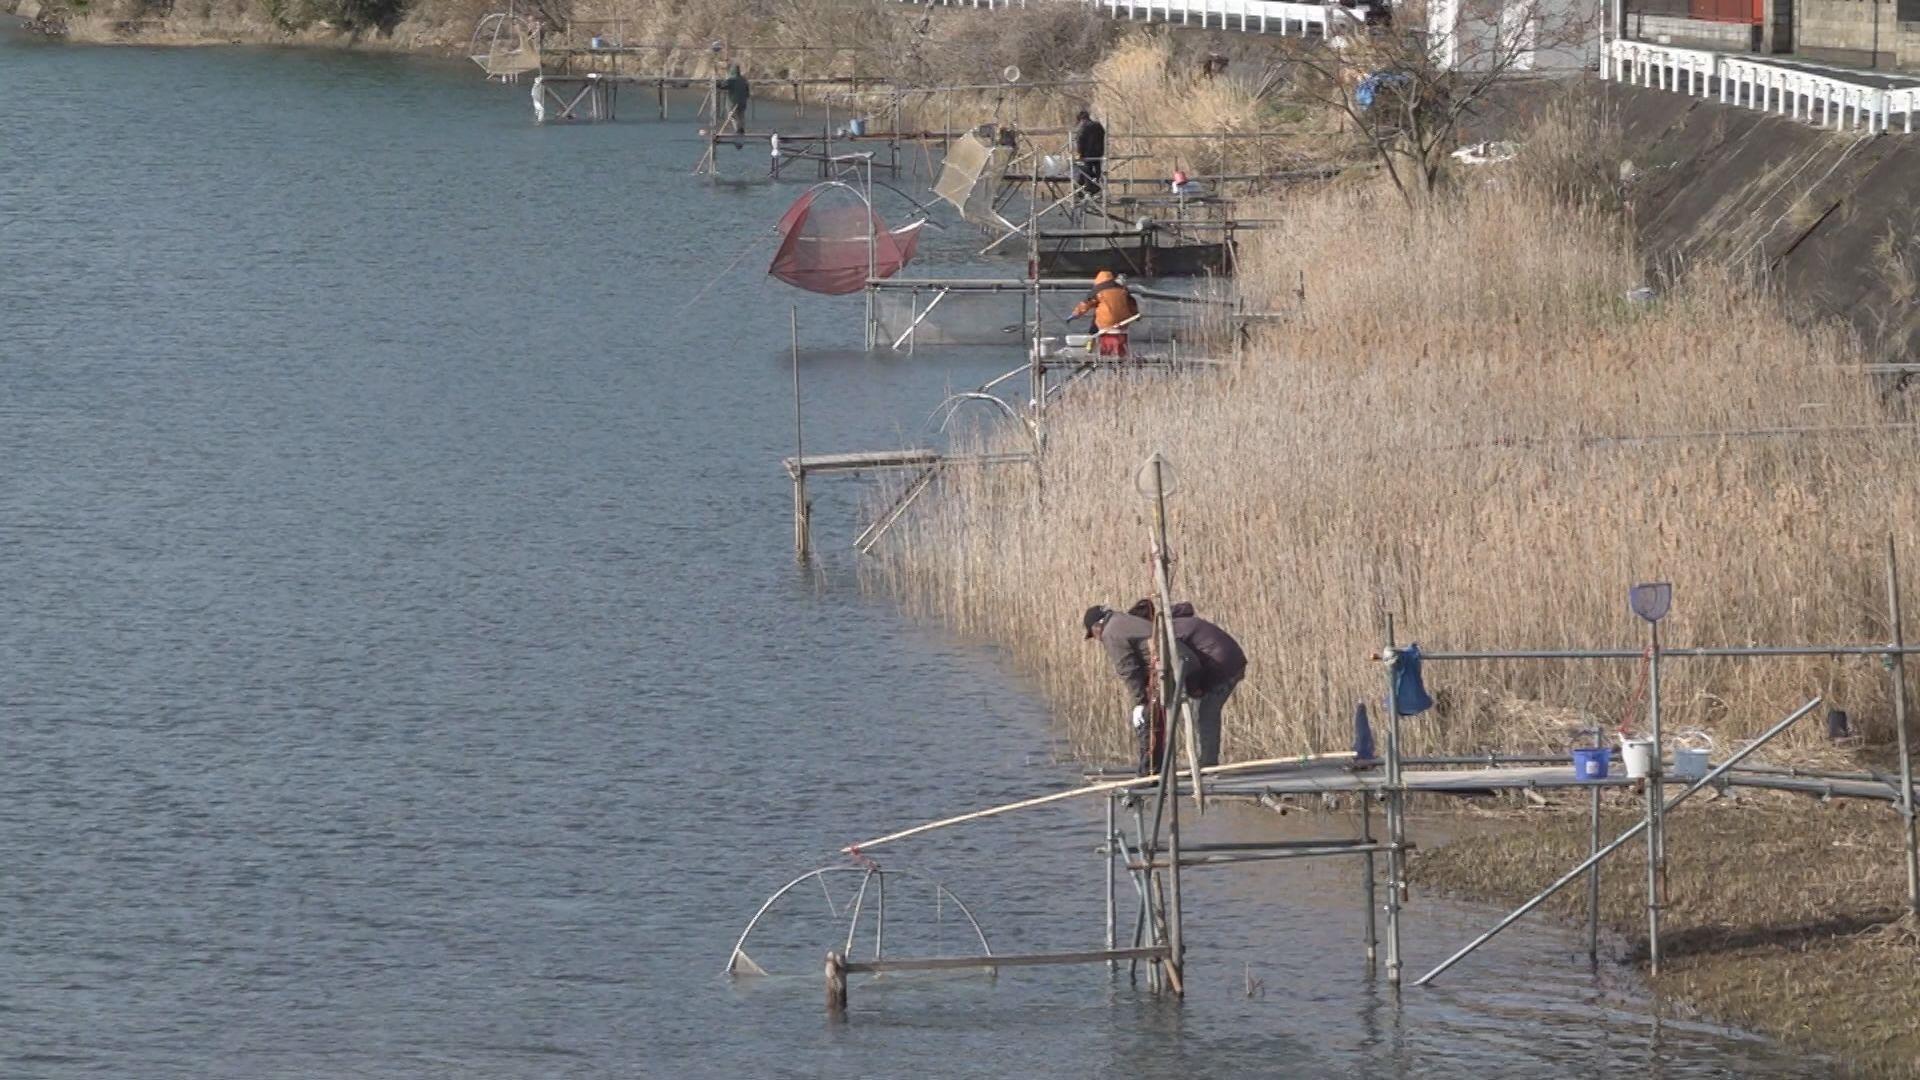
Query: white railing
[1252, 16]
[1803, 95]
[1249, 15]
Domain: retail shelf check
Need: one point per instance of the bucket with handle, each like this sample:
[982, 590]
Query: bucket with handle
[1590, 762]
[1690, 755]
[1637, 756]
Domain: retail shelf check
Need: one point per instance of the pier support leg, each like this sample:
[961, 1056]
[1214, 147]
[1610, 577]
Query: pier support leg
[1656, 840]
[1367, 879]
[1396, 806]
[1593, 881]
[802, 520]
[1110, 846]
[1899, 674]
[836, 985]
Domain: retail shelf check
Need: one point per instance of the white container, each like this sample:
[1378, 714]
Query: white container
[1637, 756]
[1690, 761]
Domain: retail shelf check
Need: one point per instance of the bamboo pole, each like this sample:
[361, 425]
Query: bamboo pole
[1136, 782]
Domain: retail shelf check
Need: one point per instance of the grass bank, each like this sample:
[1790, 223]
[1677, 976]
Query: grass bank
[1465, 420]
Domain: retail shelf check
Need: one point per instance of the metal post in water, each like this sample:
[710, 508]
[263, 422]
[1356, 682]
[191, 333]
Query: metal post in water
[1109, 847]
[872, 256]
[802, 526]
[1366, 883]
[1656, 853]
[1593, 882]
[1396, 822]
[1900, 726]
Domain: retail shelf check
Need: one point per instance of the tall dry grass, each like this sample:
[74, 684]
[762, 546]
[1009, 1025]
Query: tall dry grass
[1147, 87]
[1467, 426]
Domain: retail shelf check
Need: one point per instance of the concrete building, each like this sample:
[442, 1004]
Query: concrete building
[1856, 33]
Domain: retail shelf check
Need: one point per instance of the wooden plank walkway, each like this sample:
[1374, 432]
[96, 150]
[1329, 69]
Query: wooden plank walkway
[1342, 779]
[890, 461]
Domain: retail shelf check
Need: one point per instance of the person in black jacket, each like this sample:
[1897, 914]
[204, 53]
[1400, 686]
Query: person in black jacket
[1211, 666]
[1089, 153]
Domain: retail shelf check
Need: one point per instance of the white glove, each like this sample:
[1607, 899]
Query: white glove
[1139, 717]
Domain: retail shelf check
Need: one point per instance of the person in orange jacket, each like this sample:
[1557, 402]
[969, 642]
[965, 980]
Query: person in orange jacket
[1114, 309]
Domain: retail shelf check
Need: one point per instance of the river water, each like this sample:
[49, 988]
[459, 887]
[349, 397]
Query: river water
[404, 673]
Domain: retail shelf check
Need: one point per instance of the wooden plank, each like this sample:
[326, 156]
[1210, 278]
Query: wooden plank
[881, 461]
[951, 963]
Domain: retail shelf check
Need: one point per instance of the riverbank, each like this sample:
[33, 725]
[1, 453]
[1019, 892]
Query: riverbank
[1402, 445]
[1784, 916]
[1483, 417]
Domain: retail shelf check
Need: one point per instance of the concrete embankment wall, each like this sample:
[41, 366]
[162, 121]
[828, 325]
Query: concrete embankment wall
[1829, 218]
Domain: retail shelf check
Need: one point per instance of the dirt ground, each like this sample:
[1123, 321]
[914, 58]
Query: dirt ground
[1785, 915]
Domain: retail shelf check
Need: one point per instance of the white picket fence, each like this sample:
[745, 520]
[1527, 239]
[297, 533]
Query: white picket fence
[1803, 95]
[1252, 16]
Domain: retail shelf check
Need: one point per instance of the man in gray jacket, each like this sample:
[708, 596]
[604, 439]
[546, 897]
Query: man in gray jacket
[1211, 665]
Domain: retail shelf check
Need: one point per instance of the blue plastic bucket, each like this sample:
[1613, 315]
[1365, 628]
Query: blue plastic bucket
[1591, 763]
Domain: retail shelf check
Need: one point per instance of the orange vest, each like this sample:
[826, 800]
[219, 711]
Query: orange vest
[1111, 305]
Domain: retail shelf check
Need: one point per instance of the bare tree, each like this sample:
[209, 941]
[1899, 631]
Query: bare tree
[1407, 90]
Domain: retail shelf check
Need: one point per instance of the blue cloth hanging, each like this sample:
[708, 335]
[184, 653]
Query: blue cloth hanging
[1409, 693]
[1363, 749]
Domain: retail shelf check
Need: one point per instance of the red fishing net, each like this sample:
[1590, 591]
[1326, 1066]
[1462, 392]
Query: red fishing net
[823, 244]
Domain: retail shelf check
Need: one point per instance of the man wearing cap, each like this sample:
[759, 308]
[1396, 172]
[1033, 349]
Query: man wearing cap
[1211, 665]
[1114, 309]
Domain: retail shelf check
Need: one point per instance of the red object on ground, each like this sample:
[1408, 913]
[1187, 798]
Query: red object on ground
[823, 249]
[1113, 345]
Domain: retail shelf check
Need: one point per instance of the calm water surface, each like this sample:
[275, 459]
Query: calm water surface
[403, 674]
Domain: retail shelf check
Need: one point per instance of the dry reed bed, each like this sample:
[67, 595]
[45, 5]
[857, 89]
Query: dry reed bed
[1466, 425]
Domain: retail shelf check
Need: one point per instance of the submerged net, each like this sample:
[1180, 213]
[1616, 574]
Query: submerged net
[1001, 318]
[824, 243]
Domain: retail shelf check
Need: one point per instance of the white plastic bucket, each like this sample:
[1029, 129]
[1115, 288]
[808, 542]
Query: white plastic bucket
[1637, 756]
[1690, 761]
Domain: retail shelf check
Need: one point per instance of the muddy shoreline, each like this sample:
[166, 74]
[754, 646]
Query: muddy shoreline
[1784, 915]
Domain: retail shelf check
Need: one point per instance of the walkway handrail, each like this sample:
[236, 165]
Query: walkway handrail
[1828, 99]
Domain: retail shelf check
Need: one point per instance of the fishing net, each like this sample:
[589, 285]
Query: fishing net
[507, 46]
[964, 177]
[824, 243]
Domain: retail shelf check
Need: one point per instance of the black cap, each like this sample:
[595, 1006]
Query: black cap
[1094, 617]
[1083, 115]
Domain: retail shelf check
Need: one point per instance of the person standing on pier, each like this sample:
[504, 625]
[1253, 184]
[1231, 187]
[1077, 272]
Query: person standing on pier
[738, 93]
[1114, 309]
[1211, 665]
[1089, 153]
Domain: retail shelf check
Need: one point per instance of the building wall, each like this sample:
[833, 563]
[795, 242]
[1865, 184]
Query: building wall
[1844, 31]
[1693, 33]
[1907, 45]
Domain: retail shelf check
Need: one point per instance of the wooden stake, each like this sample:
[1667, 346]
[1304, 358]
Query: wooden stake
[836, 985]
